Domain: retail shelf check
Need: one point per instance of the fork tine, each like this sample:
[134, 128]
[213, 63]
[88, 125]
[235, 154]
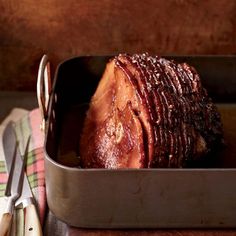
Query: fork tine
[6, 220]
[21, 179]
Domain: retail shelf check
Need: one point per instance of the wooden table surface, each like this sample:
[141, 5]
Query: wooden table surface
[154, 232]
[8, 100]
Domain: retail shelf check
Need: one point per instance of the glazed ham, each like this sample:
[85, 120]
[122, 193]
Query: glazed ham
[148, 112]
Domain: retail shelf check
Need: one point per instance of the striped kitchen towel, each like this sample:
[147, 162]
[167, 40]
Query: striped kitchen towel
[27, 123]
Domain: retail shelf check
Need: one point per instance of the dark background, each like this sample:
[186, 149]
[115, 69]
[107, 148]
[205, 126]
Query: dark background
[63, 29]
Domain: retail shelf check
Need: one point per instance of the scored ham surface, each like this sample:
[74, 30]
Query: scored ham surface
[148, 112]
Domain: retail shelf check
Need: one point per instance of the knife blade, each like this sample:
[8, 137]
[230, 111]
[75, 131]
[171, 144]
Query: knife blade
[13, 191]
[32, 223]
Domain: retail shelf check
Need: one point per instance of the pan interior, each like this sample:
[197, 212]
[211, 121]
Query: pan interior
[76, 81]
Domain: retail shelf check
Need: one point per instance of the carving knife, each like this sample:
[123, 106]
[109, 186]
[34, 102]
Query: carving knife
[13, 191]
[32, 223]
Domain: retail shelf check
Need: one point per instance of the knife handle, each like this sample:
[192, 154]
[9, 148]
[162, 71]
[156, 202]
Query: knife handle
[32, 223]
[5, 224]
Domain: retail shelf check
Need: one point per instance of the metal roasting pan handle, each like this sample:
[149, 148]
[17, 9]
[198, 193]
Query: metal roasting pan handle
[43, 88]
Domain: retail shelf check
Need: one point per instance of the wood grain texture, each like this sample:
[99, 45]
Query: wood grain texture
[84, 232]
[69, 28]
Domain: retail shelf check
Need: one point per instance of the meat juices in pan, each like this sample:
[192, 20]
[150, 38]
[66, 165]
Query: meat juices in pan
[148, 112]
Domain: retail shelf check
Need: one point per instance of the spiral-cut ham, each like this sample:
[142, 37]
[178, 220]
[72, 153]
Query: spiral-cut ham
[148, 112]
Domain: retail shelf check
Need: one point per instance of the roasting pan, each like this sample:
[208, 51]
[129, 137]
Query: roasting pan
[129, 198]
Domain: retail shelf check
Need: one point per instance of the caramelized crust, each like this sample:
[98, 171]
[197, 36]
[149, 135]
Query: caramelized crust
[148, 112]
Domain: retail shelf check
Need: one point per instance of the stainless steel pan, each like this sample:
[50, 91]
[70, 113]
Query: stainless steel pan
[145, 198]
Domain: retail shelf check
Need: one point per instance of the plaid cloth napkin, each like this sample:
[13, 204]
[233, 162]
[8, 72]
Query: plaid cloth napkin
[26, 123]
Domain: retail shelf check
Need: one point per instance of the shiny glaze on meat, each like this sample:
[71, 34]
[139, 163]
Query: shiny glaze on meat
[156, 108]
